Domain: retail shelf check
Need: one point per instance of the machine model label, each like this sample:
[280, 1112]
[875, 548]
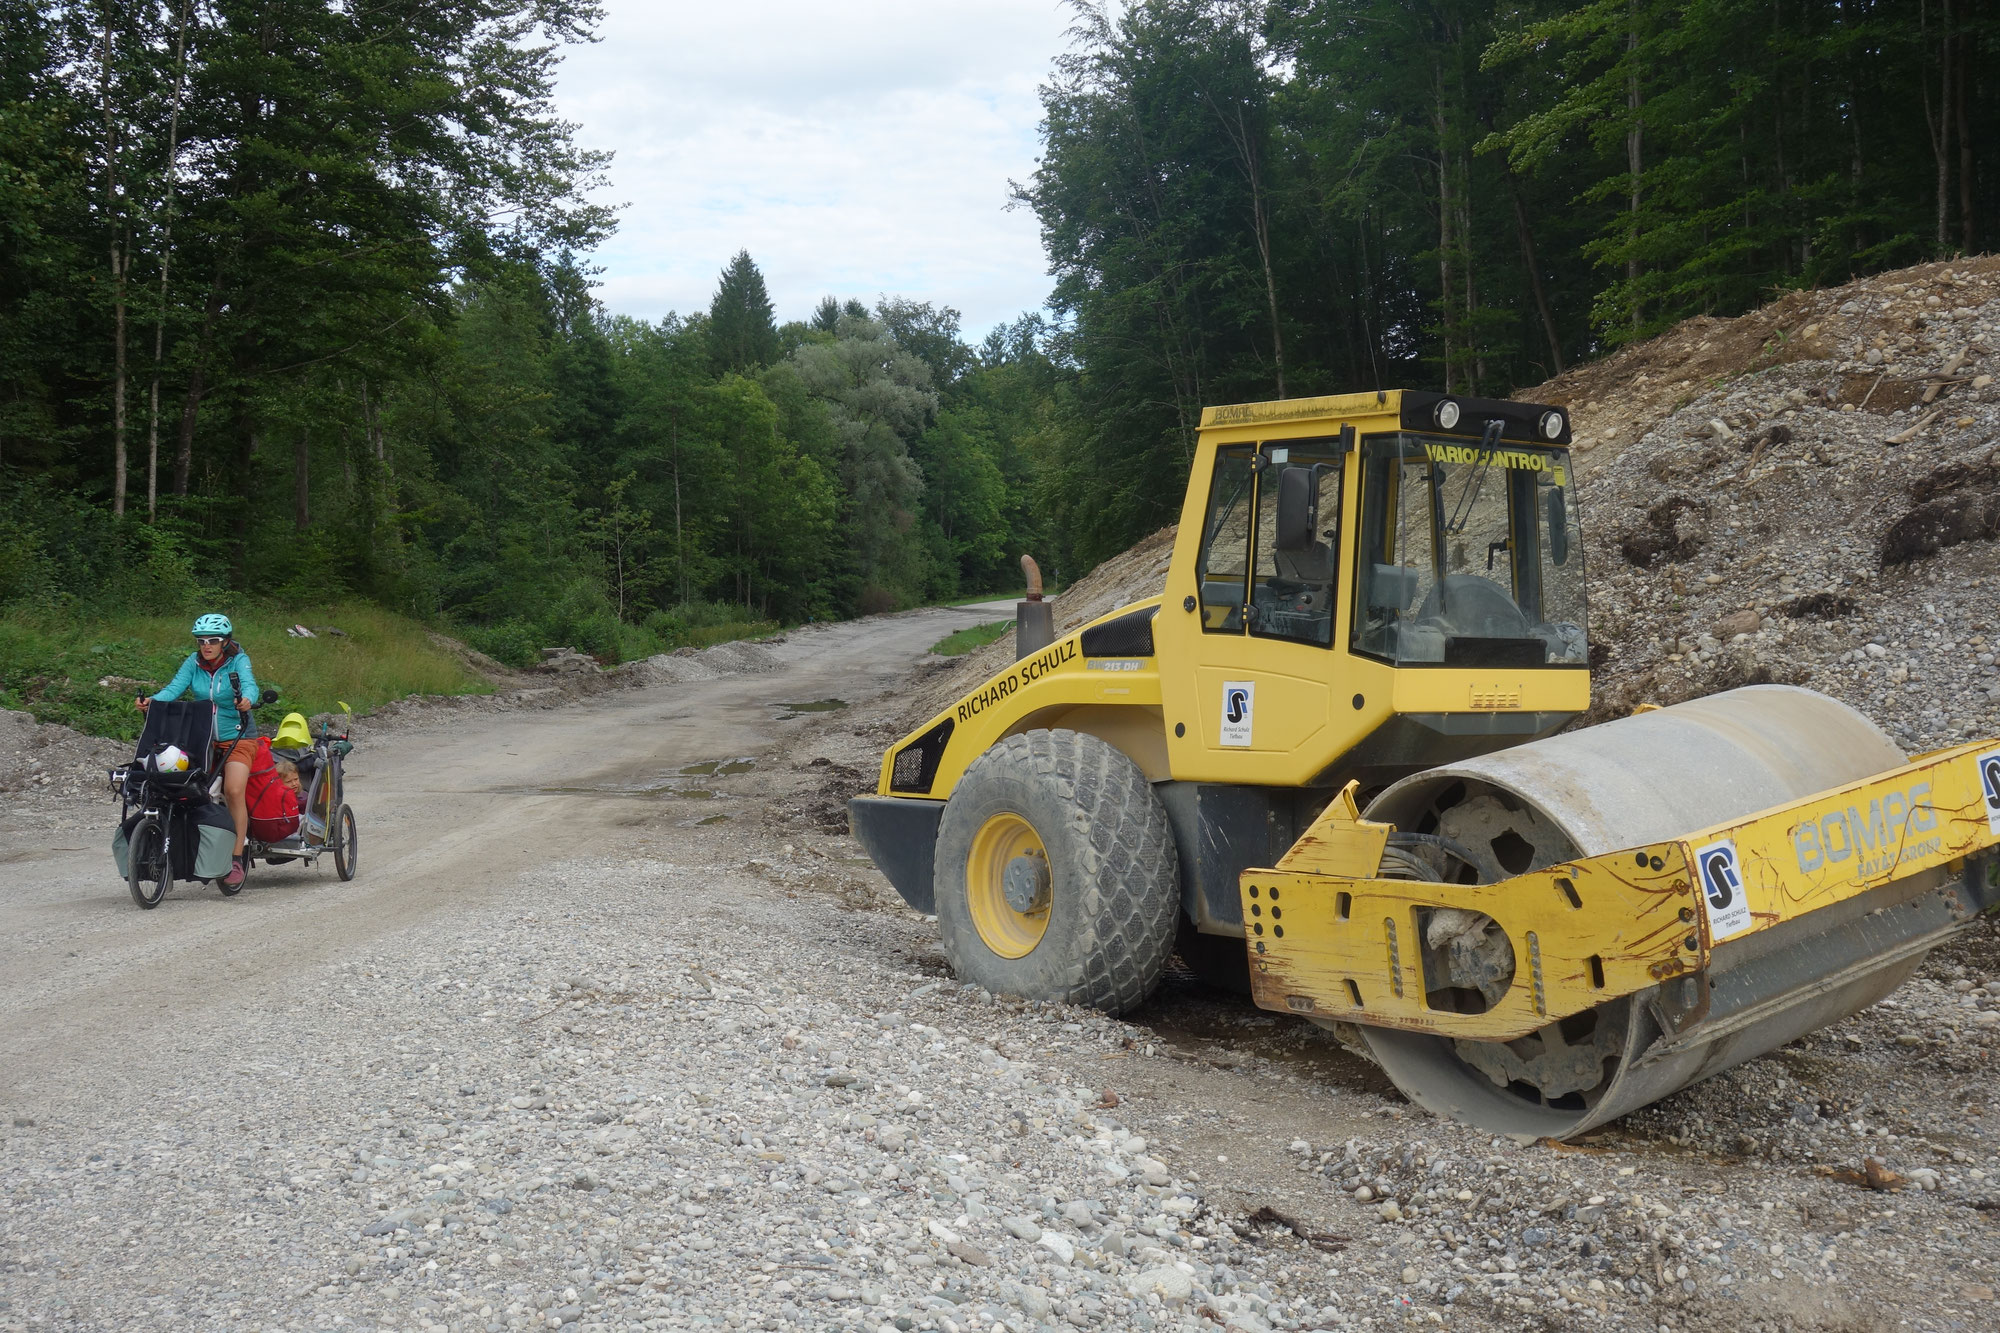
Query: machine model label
[1113, 664]
[1025, 673]
[1884, 835]
[1239, 701]
[1523, 460]
[1721, 880]
[1989, 788]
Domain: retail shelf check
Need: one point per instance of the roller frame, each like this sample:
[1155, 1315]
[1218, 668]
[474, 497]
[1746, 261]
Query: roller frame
[1635, 910]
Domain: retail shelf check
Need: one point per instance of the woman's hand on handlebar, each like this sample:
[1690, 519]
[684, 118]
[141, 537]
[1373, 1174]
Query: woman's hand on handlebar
[142, 703]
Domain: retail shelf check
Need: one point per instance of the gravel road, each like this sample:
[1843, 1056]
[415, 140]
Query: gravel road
[611, 1033]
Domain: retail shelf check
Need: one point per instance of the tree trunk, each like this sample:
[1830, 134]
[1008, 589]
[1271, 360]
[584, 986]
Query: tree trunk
[113, 217]
[1472, 340]
[239, 522]
[1938, 122]
[1247, 156]
[1635, 143]
[184, 452]
[1968, 233]
[119, 262]
[1535, 274]
[166, 256]
[301, 484]
[1447, 282]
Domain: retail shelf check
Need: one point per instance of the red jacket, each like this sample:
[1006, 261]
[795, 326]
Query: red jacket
[274, 810]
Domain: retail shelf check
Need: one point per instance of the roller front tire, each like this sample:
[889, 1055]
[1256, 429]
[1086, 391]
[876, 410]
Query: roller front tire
[1056, 873]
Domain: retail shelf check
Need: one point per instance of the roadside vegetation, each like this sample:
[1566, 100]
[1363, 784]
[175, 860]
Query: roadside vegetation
[965, 641]
[960, 642]
[51, 662]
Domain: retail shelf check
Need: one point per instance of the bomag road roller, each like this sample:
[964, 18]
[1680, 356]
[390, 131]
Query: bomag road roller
[1333, 754]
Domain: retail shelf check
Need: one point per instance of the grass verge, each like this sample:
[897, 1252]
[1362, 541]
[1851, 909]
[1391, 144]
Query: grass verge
[51, 663]
[960, 642]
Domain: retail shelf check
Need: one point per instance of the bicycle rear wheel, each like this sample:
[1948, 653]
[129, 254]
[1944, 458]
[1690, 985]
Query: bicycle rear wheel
[346, 843]
[147, 873]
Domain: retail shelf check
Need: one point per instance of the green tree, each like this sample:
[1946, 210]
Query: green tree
[741, 335]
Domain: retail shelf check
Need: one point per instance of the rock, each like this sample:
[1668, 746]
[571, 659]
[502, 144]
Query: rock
[1061, 1246]
[1738, 622]
[1172, 1285]
[943, 1232]
[1022, 1228]
[565, 662]
[970, 1254]
[1411, 1276]
[1390, 1211]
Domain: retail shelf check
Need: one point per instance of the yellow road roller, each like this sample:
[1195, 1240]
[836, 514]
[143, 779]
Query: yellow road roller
[1331, 759]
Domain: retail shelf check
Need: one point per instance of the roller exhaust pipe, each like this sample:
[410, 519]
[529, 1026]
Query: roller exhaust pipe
[1034, 619]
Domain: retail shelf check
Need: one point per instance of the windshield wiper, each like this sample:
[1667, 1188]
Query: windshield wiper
[1488, 445]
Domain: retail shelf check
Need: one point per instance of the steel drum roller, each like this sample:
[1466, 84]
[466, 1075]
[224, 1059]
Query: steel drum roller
[1653, 777]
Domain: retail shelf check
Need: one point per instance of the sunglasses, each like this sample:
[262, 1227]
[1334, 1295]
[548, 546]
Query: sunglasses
[211, 643]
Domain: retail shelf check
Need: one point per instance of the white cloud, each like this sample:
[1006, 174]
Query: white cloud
[853, 149]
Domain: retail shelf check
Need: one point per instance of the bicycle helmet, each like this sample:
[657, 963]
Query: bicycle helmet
[211, 624]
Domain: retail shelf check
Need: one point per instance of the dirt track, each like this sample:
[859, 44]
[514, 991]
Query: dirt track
[450, 815]
[237, 1112]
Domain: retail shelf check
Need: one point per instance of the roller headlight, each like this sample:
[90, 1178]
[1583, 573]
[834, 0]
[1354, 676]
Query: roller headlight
[1446, 415]
[1552, 425]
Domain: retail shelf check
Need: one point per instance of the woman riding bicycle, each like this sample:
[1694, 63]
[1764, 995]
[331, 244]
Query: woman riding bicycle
[218, 670]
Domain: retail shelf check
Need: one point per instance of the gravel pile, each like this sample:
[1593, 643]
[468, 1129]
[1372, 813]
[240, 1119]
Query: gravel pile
[1818, 522]
[686, 664]
[50, 775]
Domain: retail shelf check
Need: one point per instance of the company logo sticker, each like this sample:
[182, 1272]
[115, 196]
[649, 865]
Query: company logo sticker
[1989, 788]
[1721, 880]
[1239, 701]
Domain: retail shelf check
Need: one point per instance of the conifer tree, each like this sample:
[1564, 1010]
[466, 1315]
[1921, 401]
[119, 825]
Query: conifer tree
[741, 331]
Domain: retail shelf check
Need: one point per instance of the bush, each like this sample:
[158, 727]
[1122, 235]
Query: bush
[515, 643]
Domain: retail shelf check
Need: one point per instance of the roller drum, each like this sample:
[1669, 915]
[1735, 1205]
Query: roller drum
[1655, 777]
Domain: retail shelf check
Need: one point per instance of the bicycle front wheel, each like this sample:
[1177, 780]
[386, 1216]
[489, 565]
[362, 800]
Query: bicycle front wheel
[147, 873]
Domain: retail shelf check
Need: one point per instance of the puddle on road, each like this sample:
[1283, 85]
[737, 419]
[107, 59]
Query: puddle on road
[691, 793]
[790, 711]
[719, 768]
[711, 819]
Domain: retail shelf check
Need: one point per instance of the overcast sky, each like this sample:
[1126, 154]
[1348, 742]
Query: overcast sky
[857, 149]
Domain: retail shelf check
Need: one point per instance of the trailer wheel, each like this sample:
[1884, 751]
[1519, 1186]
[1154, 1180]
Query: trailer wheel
[1056, 873]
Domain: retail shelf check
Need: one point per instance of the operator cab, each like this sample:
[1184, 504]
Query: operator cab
[1470, 555]
[1469, 552]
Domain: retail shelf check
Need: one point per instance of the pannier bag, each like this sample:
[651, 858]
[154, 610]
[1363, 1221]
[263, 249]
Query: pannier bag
[203, 840]
[274, 810]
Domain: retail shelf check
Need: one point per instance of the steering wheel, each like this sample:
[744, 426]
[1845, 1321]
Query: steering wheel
[1478, 608]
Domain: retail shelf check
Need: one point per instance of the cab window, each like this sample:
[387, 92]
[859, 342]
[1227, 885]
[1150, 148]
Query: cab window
[1469, 555]
[1225, 541]
[1298, 542]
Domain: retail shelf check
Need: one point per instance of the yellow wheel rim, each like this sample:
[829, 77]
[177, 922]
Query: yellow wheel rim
[1006, 929]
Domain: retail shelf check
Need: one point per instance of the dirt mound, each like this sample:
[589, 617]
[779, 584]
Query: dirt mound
[1819, 513]
[1139, 573]
[740, 658]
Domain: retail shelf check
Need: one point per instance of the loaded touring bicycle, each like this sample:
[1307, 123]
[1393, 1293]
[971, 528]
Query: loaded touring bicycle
[174, 826]
[170, 826]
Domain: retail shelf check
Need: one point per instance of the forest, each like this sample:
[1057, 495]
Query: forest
[297, 298]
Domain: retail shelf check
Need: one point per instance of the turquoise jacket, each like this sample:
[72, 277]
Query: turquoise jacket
[215, 686]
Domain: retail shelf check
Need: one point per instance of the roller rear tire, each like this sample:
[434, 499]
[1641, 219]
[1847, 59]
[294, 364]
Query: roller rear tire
[1056, 874]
